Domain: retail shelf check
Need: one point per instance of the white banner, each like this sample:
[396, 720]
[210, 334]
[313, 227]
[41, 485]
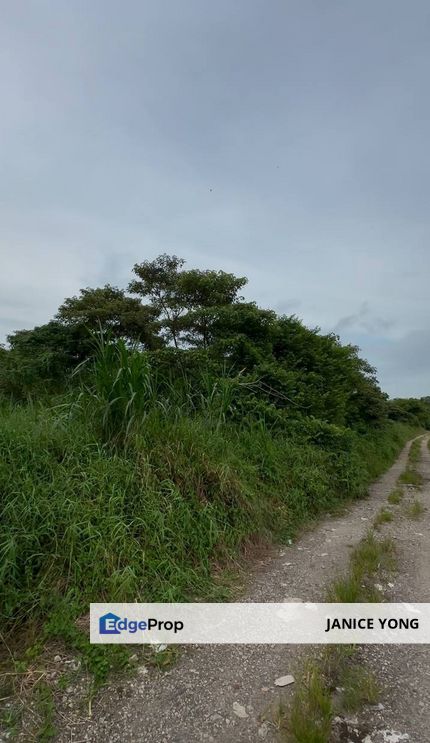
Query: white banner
[287, 623]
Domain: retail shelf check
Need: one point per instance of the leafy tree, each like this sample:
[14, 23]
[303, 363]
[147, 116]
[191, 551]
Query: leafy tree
[110, 309]
[188, 302]
[206, 296]
[157, 281]
[410, 410]
[41, 358]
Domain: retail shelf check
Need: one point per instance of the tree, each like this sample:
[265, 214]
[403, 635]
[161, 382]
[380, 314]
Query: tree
[158, 281]
[111, 310]
[40, 359]
[188, 302]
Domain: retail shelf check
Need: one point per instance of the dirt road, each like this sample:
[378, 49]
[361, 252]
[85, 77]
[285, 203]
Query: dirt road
[227, 693]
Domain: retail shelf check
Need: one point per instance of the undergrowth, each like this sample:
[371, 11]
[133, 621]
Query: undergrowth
[133, 487]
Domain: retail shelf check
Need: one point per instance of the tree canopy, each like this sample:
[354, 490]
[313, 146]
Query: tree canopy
[196, 320]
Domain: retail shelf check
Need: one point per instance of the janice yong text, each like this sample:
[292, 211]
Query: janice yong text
[371, 623]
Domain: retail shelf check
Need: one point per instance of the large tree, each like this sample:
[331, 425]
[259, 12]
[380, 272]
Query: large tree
[188, 301]
[110, 309]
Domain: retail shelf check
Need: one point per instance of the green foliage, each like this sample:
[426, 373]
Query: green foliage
[83, 521]
[415, 452]
[415, 510]
[143, 442]
[410, 410]
[118, 390]
[395, 496]
[39, 360]
[410, 477]
[188, 302]
[382, 517]
[359, 687]
[45, 708]
[312, 711]
[369, 557]
[109, 309]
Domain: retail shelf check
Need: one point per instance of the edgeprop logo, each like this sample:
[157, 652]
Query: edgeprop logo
[112, 624]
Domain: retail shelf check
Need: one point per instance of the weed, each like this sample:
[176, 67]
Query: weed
[358, 686]
[395, 496]
[312, 710]
[410, 477]
[415, 452]
[45, 708]
[415, 510]
[383, 517]
[10, 718]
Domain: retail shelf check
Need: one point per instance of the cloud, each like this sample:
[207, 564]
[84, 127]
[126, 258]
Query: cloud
[261, 141]
[365, 320]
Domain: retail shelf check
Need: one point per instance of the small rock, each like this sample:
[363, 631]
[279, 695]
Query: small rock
[159, 648]
[284, 680]
[264, 688]
[391, 585]
[142, 671]
[378, 587]
[391, 736]
[239, 710]
[57, 658]
[324, 554]
[263, 730]
[351, 721]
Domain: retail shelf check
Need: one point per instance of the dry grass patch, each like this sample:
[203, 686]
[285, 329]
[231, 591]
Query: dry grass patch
[395, 496]
[415, 510]
[410, 477]
[383, 517]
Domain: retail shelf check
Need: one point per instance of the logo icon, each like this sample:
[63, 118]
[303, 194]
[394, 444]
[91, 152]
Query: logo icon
[108, 624]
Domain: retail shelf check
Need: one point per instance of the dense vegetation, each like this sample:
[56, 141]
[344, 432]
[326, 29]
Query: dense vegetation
[147, 436]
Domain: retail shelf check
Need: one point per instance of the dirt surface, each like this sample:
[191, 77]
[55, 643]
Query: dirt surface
[200, 697]
[404, 670]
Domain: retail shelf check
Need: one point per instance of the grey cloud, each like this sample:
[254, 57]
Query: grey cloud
[365, 320]
[307, 120]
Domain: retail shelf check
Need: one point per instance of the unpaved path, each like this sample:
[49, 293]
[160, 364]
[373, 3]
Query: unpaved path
[193, 701]
[404, 670]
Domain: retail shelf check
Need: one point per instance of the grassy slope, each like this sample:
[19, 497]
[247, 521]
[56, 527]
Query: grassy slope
[81, 523]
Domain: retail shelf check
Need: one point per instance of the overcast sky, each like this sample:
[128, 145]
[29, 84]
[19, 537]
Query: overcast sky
[286, 141]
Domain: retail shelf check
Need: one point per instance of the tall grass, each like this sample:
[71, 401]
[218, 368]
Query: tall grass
[145, 485]
[118, 390]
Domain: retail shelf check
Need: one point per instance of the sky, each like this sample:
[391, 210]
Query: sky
[284, 141]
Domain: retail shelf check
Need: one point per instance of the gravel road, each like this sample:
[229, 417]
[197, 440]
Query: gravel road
[227, 694]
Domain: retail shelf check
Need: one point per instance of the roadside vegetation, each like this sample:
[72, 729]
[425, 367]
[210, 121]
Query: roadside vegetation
[149, 436]
[336, 682]
[415, 509]
[395, 496]
[411, 477]
[382, 517]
